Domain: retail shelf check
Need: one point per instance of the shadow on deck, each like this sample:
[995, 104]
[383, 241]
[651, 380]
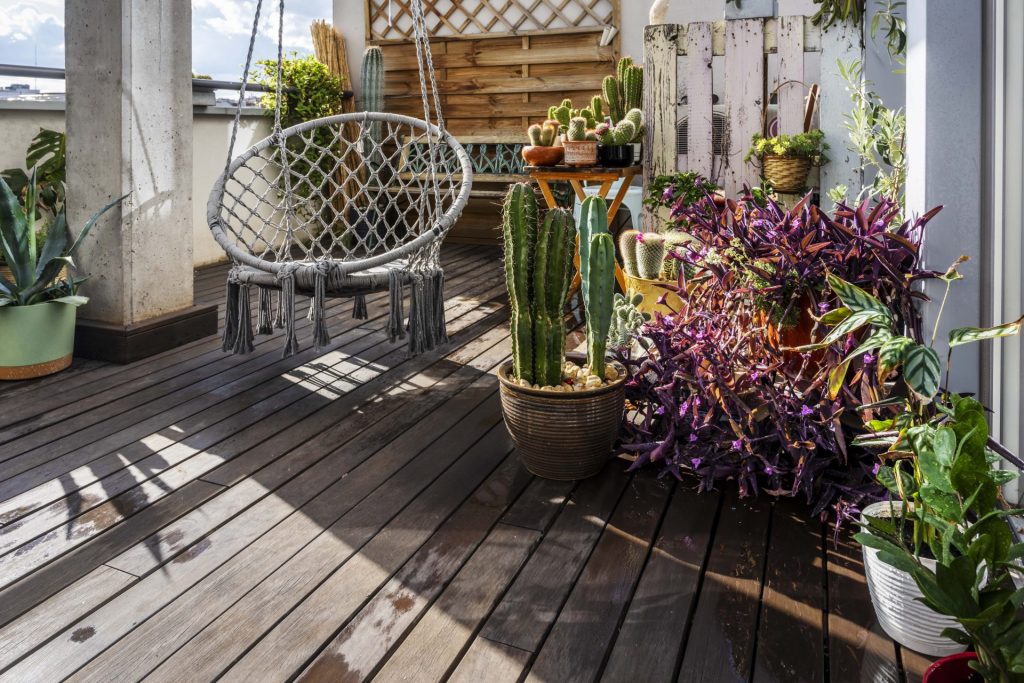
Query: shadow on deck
[360, 514]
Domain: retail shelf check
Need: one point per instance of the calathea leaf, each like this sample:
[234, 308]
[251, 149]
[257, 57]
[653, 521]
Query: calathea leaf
[969, 335]
[891, 353]
[856, 299]
[922, 371]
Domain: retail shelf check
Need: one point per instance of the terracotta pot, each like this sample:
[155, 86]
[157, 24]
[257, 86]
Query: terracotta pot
[563, 436]
[543, 156]
[580, 152]
[38, 339]
[953, 669]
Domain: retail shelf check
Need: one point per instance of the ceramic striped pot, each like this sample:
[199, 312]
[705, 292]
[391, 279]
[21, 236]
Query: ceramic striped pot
[894, 595]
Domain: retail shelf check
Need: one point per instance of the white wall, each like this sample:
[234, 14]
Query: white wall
[209, 152]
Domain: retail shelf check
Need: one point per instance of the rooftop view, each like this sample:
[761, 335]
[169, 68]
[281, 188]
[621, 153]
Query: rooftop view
[474, 340]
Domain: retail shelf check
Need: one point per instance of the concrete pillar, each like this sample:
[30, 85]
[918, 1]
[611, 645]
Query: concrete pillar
[946, 148]
[129, 126]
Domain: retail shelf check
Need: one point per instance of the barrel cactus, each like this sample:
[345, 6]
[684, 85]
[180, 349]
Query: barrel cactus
[636, 117]
[538, 267]
[622, 133]
[577, 129]
[650, 255]
[627, 250]
[599, 299]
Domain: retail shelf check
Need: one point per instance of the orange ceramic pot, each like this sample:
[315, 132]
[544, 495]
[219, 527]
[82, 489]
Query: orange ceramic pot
[543, 156]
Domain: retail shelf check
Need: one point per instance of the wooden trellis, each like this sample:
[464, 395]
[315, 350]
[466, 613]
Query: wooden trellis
[688, 130]
[392, 19]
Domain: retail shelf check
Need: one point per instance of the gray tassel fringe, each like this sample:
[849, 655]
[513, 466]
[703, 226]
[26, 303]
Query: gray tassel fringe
[321, 336]
[230, 317]
[265, 317]
[243, 336]
[291, 344]
[396, 304]
[427, 329]
[359, 311]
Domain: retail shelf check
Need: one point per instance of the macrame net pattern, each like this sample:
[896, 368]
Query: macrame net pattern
[341, 206]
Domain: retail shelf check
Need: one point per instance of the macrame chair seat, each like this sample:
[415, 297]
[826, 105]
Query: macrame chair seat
[339, 207]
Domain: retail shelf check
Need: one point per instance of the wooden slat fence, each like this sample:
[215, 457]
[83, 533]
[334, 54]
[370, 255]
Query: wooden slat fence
[681, 65]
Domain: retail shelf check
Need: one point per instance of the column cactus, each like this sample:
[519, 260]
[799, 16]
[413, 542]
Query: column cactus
[519, 225]
[593, 221]
[627, 249]
[599, 299]
[610, 89]
[632, 87]
[372, 84]
[538, 266]
[551, 276]
[650, 255]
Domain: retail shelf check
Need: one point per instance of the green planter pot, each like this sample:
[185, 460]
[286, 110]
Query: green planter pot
[36, 340]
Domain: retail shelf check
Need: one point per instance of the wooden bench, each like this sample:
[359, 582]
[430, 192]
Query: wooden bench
[497, 159]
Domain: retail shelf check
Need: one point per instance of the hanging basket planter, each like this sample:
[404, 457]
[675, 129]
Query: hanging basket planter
[787, 174]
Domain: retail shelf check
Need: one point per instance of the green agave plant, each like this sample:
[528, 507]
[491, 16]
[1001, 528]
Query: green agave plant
[35, 267]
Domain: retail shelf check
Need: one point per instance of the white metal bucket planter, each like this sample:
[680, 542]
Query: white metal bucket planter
[894, 595]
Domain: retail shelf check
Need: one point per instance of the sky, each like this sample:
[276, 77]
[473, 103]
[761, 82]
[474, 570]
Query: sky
[32, 32]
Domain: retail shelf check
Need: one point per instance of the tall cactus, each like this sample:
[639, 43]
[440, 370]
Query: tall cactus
[372, 83]
[627, 249]
[593, 221]
[610, 89]
[599, 299]
[633, 87]
[552, 268]
[597, 108]
[519, 225]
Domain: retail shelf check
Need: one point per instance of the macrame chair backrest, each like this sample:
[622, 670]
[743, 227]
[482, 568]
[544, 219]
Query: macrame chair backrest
[296, 200]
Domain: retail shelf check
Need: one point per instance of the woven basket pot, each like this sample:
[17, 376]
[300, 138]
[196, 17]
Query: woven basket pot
[787, 175]
[580, 152]
[563, 436]
[894, 594]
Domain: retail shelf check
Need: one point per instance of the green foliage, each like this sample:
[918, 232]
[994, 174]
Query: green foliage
[538, 268]
[810, 145]
[677, 189]
[877, 136]
[35, 267]
[887, 20]
[831, 12]
[46, 155]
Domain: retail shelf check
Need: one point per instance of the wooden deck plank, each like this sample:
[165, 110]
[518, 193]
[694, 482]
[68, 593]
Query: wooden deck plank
[793, 601]
[208, 464]
[355, 652]
[858, 649]
[721, 640]
[118, 617]
[586, 625]
[658, 619]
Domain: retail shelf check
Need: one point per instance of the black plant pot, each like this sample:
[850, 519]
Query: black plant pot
[616, 156]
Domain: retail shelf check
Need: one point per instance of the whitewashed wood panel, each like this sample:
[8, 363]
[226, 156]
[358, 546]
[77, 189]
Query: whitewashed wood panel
[790, 82]
[660, 95]
[699, 95]
[744, 98]
[841, 42]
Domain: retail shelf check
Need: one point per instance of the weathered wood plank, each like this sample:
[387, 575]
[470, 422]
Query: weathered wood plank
[811, 37]
[839, 43]
[790, 83]
[586, 625]
[857, 646]
[744, 99]
[657, 623]
[661, 90]
[721, 639]
[793, 600]
[489, 661]
[699, 94]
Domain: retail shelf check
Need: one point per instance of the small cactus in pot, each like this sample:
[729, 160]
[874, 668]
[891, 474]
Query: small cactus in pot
[543, 150]
[580, 143]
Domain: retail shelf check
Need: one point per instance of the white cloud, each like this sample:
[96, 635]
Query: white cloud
[23, 20]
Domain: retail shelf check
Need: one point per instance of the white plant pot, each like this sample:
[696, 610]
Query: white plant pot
[894, 595]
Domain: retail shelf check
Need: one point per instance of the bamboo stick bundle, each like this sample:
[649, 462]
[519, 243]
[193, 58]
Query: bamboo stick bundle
[331, 50]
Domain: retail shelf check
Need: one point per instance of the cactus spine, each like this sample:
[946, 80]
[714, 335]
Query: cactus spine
[627, 249]
[610, 89]
[650, 255]
[593, 221]
[519, 225]
[550, 284]
[538, 265]
[599, 299]
[632, 87]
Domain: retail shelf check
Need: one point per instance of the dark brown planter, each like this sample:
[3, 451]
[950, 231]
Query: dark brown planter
[615, 156]
[563, 436]
[543, 156]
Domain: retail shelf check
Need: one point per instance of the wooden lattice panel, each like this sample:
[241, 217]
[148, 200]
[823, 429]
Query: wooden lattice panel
[392, 19]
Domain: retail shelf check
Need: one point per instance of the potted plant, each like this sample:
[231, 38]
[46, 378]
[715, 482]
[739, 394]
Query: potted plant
[624, 93]
[787, 159]
[580, 143]
[37, 310]
[650, 261]
[939, 553]
[542, 150]
[562, 410]
[616, 142]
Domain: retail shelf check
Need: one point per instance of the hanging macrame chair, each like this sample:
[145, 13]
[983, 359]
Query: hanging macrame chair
[340, 207]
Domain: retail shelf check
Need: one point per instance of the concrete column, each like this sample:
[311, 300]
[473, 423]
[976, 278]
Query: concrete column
[946, 144]
[129, 125]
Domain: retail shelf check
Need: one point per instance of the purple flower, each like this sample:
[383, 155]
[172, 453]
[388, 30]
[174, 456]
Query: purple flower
[754, 376]
[769, 470]
[823, 307]
[693, 437]
[874, 470]
[668, 195]
[640, 237]
[695, 462]
[660, 410]
[805, 411]
[868, 359]
[737, 444]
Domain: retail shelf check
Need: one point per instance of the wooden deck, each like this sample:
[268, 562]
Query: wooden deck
[360, 514]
